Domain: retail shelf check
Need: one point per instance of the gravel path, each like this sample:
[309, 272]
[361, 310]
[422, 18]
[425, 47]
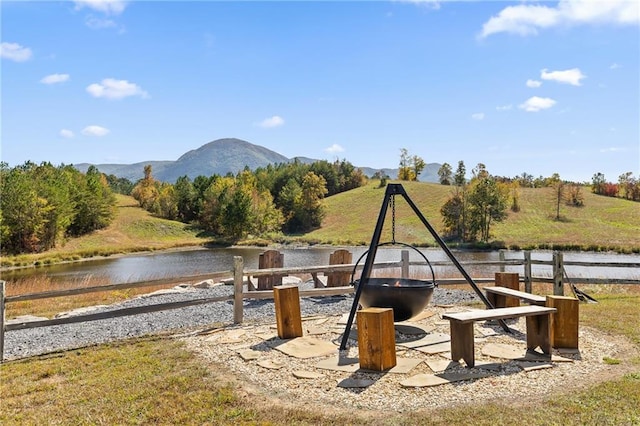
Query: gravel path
[36, 341]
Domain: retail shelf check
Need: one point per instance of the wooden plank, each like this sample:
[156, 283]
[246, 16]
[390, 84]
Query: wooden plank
[121, 286]
[528, 297]
[376, 339]
[116, 313]
[508, 280]
[500, 313]
[287, 305]
[564, 323]
[334, 291]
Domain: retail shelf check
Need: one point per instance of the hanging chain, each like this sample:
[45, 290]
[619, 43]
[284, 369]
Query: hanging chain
[393, 218]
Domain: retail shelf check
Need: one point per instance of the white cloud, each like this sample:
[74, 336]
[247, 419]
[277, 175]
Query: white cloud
[572, 76]
[15, 52]
[504, 107]
[612, 149]
[275, 121]
[66, 133]
[55, 78]
[526, 19]
[432, 4]
[99, 23]
[478, 116]
[535, 104]
[109, 7]
[95, 131]
[334, 149]
[115, 89]
[614, 66]
[533, 83]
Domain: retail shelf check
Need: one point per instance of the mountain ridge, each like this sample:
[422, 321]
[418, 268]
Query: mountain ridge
[223, 156]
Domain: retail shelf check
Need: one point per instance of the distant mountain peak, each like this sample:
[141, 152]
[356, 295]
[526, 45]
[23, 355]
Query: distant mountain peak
[221, 156]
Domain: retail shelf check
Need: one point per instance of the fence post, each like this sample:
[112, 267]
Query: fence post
[2, 288]
[404, 256]
[238, 298]
[502, 259]
[527, 272]
[558, 289]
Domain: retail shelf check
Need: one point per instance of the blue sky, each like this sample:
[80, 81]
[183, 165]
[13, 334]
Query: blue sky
[536, 87]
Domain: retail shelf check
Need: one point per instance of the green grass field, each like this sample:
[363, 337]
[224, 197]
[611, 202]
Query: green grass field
[603, 223]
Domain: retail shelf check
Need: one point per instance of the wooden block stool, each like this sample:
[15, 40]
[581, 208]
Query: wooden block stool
[376, 339]
[564, 323]
[288, 318]
[509, 280]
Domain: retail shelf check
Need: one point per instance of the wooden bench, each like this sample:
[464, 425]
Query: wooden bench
[461, 326]
[498, 296]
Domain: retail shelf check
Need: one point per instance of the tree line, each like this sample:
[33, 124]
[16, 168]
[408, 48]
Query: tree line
[279, 197]
[42, 205]
[628, 186]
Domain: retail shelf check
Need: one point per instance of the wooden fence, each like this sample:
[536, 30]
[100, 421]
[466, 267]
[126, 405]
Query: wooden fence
[241, 291]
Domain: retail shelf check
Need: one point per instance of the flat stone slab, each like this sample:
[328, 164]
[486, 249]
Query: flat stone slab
[411, 329]
[350, 365]
[355, 383]
[532, 365]
[487, 332]
[440, 365]
[428, 380]
[428, 340]
[490, 366]
[249, 354]
[305, 374]
[503, 351]
[266, 335]
[403, 365]
[538, 357]
[270, 365]
[314, 330]
[231, 336]
[80, 311]
[423, 315]
[435, 349]
[306, 347]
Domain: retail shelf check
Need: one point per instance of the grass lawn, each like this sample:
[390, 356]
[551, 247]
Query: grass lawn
[155, 380]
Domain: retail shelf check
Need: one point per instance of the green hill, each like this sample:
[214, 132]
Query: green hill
[603, 223]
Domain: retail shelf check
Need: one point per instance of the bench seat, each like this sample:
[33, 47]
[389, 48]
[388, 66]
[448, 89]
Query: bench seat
[498, 295]
[461, 326]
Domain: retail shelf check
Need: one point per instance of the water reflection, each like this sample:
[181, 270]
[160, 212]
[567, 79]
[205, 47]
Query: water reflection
[182, 263]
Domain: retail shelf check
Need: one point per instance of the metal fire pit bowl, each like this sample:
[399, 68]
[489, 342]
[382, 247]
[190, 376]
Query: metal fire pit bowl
[406, 296]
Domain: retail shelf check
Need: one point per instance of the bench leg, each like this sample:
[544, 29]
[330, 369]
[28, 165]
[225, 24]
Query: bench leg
[462, 345]
[539, 333]
[496, 300]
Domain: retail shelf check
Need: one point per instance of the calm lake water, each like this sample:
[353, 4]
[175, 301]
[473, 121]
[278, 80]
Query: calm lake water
[176, 264]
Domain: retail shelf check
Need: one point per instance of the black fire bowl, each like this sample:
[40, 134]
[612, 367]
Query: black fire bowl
[407, 297]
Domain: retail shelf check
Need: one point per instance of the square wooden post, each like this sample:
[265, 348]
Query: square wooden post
[288, 319]
[509, 280]
[564, 323]
[339, 257]
[376, 339]
[267, 260]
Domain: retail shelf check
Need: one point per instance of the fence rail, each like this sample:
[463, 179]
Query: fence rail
[239, 273]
